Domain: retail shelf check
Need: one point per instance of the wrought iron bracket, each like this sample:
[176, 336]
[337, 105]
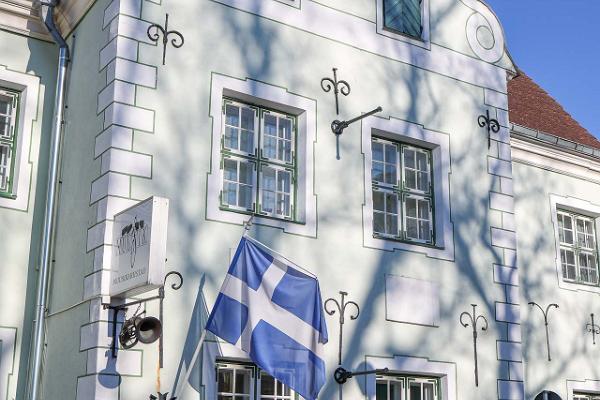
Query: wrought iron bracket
[473, 319]
[338, 87]
[155, 31]
[593, 328]
[162, 396]
[337, 127]
[341, 309]
[341, 375]
[124, 307]
[492, 125]
[545, 313]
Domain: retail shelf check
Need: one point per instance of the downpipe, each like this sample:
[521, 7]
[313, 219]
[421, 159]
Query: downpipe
[47, 17]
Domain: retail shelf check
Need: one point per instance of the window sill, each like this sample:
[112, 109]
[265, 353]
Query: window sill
[8, 196]
[259, 215]
[404, 35]
[406, 241]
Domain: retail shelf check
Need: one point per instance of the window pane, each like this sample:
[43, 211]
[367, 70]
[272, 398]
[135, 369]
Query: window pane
[270, 136]
[428, 391]
[4, 126]
[390, 154]
[238, 176]
[267, 384]
[414, 392]
[565, 228]
[242, 381]
[409, 158]
[377, 149]
[377, 174]
[418, 219]
[568, 264]
[232, 115]
[225, 380]
[231, 138]
[390, 174]
[403, 16]
[285, 140]
[587, 268]
[395, 390]
[268, 189]
[378, 201]
[381, 391]
[247, 139]
[4, 167]
[379, 222]
[247, 119]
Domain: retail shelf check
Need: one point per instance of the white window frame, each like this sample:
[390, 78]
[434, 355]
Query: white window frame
[275, 98]
[406, 380]
[413, 367]
[28, 86]
[589, 386]
[575, 206]
[439, 145]
[423, 41]
[576, 249]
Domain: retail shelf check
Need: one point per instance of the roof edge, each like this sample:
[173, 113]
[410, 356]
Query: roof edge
[554, 141]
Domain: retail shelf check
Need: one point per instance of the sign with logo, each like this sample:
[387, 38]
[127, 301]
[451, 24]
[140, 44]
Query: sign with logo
[139, 248]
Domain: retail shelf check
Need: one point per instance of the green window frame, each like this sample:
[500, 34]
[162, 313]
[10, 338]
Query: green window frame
[407, 387]
[403, 16]
[258, 159]
[9, 114]
[578, 247]
[246, 381]
[402, 184]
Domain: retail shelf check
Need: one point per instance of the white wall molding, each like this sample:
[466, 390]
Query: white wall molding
[445, 371]
[439, 143]
[586, 386]
[29, 87]
[357, 32]
[278, 98]
[554, 159]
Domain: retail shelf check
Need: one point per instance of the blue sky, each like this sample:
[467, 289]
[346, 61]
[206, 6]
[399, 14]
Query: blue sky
[557, 43]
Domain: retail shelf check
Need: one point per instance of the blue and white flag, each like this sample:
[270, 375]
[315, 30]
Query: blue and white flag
[273, 312]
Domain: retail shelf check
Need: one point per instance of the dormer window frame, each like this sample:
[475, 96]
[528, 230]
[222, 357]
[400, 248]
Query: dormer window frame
[422, 41]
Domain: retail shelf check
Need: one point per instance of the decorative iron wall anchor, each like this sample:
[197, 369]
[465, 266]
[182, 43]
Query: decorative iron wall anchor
[545, 313]
[341, 375]
[593, 328]
[130, 330]
[341, 308]
[337, 127]
[161, 396]
[177, 41]
[473, 319]
[338, 87]
[492, 125]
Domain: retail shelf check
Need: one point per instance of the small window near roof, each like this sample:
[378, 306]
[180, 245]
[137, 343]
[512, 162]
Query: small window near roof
[8, 140]
[403, 16]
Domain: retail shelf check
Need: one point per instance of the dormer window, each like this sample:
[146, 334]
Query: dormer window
[403, 16]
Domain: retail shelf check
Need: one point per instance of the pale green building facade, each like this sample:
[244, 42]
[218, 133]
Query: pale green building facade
[417, 220]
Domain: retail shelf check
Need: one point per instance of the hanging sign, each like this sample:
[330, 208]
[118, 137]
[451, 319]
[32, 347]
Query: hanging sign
[139, 248]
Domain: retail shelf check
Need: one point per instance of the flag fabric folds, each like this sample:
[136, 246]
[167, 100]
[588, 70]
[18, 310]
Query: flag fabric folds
[273, 311]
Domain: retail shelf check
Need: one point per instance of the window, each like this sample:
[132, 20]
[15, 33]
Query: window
[248, 382]
[578, 251]
[8, 140]
[589, 396]
[406, 388]
[258, 160]
[402, 191]
[403, 16]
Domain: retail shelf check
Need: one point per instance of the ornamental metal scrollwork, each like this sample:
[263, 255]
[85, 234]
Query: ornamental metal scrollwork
[341, 309]
[492, 125]
[341, 86]
[177, 41]
[593, 328]
[545, 314]
[473, 319]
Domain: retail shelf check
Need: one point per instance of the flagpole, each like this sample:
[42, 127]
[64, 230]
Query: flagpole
[191, 365]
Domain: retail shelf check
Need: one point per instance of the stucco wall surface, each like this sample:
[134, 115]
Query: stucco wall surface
[24, 63]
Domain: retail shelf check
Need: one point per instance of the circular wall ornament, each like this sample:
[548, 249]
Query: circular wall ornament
[484, 33]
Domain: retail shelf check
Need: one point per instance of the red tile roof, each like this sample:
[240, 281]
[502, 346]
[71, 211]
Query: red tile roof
[531, 106]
